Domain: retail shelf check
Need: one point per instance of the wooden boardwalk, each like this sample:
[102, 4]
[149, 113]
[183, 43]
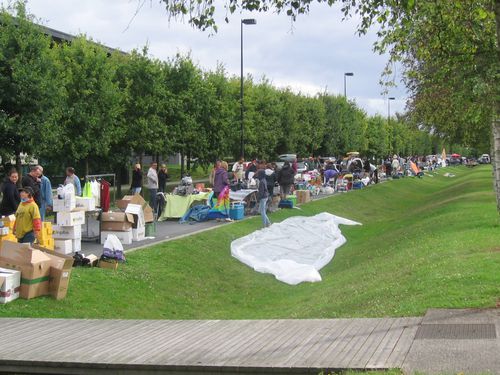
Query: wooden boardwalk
[72, 346]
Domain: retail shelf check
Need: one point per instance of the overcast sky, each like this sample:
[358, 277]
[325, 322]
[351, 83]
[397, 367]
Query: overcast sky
[309, 56]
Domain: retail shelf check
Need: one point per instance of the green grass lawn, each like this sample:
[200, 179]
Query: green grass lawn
[424, 243]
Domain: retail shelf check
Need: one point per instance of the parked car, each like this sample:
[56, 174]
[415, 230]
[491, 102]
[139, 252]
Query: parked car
[484, 159]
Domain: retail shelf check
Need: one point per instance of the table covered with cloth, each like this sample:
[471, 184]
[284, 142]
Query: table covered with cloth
[177, 205]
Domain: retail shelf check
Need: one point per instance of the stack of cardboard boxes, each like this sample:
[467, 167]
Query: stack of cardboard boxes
[70, 218]
[40, 272]
[7, 229]
[130, 223]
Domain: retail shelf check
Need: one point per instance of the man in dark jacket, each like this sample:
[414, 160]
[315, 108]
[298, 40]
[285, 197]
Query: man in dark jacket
[32, 180]
[10, 193]
[251, 168]
[286, 178]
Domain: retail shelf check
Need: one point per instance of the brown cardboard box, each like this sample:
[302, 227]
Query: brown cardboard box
[33, 264]
[116, 221]
[303, 196]
[137, 199]
[60, 272]
[111, 264]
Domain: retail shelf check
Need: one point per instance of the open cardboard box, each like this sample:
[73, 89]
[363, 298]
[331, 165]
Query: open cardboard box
[116, 221]
[42, 271]
[137, 199]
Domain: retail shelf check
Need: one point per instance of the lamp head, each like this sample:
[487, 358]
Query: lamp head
[350, 74]
[249, 21]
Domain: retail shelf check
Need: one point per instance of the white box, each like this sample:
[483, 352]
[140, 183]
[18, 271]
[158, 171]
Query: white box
[4, 231]
[10, 282]
[61, 232]
[139, 234]
[124, 237]
[136, 209]
[61, 205]
[70, 218]
[76, 245]
[63, 246]
[87, 204]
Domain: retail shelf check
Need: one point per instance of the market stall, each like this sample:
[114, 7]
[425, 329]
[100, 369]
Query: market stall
[177, 205]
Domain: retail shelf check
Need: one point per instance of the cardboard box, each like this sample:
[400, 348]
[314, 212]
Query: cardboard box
[10, 284]
[71, 218]
[66, 204]
[137, 199]
[33, 264]
[116, 221]
[72, 232]
[303, 196]
[9, 221]
[10, 238]
[87, 204]
[48, 243]
[64, 247]
[76, 245]
[139, 234]
[138, 212]
[124, 237]
[109, 264]
[60, 273]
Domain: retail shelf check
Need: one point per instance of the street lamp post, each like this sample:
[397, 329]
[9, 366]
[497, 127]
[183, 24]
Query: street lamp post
[389, 108]
[350, 74]
[246, 21]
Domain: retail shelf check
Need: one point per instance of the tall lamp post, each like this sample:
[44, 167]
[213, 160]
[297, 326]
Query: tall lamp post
[245, 21]
[350, 74]
[389, 108]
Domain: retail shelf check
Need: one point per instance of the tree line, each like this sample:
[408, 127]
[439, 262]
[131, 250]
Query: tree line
[79, 103]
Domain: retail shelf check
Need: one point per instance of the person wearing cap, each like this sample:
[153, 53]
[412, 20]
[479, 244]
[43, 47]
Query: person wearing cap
[162, 178]
[10, 194]
[28, 221]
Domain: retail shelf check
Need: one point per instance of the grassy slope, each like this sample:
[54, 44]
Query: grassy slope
[432, 242]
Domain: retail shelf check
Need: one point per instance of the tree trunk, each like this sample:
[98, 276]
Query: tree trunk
[87, 168]
[19, 167]
[495, 158]
[118, 181]
[182, 164]
[189, 161]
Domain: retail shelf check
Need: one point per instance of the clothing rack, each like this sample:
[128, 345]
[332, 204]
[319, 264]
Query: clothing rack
[97, 176]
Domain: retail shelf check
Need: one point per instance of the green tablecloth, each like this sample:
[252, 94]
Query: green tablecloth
[177, 205]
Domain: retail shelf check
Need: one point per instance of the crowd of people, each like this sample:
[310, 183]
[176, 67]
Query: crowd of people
[30, 200]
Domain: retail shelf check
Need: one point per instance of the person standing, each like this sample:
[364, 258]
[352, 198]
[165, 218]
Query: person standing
[153, 185]
[136, 185]
[221, 179]
[251, 169]
[10, 194]
[263, 195]
[32, 180]
[270, 181]
[45, 194]
[72, 178]
[28, 221]
[285, 179]
[162, 178]
[238, 170]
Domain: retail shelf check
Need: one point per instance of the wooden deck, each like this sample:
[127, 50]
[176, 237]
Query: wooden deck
[73, 346]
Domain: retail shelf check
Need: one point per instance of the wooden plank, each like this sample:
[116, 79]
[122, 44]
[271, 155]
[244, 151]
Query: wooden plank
[330, 357]
[331, 336]
[300, 343]
[386, 346]
[240, 349]
[404, 343]
[365, 352]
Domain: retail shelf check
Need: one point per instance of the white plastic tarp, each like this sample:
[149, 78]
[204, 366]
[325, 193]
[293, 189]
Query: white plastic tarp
[293, 250]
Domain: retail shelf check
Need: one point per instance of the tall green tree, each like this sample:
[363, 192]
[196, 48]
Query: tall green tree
[30, 92]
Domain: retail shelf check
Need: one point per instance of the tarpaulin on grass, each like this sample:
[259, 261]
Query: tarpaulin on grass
[293, 250]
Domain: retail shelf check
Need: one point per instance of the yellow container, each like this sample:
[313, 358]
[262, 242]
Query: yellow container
[47, 228]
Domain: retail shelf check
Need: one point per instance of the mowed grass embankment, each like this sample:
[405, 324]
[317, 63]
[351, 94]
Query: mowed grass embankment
[424, 243]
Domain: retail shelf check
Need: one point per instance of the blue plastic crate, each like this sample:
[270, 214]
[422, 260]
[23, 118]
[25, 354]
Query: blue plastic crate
[237, 211]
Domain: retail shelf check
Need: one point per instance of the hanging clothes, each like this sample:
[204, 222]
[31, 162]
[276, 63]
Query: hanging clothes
[105, 200]
[96, 192]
